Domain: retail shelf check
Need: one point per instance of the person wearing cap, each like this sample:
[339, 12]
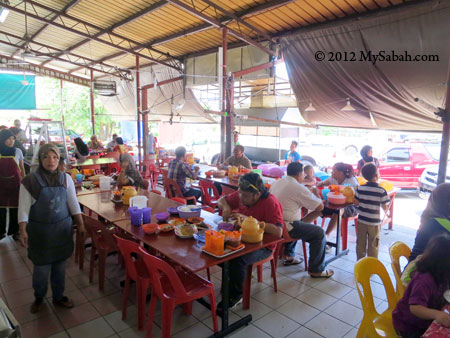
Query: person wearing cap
[251, 199]
[47, 203]
[11, 172]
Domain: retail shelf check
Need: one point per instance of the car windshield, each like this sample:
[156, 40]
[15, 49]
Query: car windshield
[434, 150]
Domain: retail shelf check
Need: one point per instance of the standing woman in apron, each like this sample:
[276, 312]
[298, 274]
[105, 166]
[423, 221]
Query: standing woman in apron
[47, 203]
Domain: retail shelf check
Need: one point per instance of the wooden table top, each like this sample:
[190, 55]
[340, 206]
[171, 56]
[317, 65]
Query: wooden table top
[101, 204]
[185, 251]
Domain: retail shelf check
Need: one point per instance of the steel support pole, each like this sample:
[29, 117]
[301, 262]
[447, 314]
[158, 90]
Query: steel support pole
[61, 92]
[92, 103]
[445, 133]
[138, 109]
[145, 121]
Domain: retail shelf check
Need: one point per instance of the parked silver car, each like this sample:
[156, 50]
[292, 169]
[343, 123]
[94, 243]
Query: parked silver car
[428, 179]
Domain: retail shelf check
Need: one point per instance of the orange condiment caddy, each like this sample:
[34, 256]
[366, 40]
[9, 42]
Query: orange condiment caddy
[214, 242]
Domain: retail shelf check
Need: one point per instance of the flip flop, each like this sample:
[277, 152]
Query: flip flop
[293, 261]
[323, 274]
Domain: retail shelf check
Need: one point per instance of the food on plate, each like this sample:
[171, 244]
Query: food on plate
[177, 221]
[166, 227]
[186, 230]
[202, 225]
[150, 228]
[195, 220]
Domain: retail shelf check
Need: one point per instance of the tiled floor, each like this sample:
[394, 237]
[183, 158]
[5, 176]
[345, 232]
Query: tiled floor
[302, 307]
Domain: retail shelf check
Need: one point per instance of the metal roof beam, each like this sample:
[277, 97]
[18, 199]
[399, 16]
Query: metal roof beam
[199, 28]
[218, 24]
[84, 59]
[67, 7]
[238, 19]
[86, 35]
[9, 63]
[121, 23]
[63, 60]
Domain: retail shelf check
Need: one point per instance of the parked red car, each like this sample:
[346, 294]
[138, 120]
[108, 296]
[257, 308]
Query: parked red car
[403, 164]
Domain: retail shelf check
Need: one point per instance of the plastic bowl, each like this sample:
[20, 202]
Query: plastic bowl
[194, 211]
[336, 199]
[150, 228]
[162, 216]
[225, 226]
[173, 210]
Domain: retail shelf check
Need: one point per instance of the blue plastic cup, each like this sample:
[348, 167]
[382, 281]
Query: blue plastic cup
[135, 215]
[79, 178]
[146, 215]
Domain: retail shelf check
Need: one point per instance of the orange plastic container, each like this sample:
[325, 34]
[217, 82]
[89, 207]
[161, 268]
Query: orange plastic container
[214, 242]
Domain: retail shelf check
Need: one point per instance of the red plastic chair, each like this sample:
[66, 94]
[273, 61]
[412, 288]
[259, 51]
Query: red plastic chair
[146, 184]
[174, 287]
[151, 172]
[112, 167]
[157, 192]
[173, 190]
[209, 200]
[259, 268]
[103, 244]
[93, 157]
[226, 190]
[136, 271]
[179, 200]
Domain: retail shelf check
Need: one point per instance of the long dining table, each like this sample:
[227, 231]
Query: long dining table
[184, 252]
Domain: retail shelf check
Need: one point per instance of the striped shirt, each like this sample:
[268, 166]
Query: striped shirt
[370, 197]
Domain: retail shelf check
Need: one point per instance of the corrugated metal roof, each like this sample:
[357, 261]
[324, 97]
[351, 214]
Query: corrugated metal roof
[161, 20]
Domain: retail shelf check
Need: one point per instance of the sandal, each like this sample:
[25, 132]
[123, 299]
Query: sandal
[36, 306]
[64, 302]
[323, 274]
[293, 261]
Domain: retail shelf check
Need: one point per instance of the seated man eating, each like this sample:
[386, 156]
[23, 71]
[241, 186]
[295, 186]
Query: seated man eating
[293, 196]
[179, 171]
[252, 199]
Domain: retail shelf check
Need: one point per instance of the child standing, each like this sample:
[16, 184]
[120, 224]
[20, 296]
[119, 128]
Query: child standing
[369, 197]
[309, 179]
[423, 299]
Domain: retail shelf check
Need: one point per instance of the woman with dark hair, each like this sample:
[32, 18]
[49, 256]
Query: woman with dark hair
[81, 149]
[435, 219]
[47, 204]
[129, 175]
[423, 299]
[366, 154]
[252, 199]
[11, 172]
[342, 174]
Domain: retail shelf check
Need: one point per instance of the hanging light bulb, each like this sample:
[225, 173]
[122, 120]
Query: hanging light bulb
[348, 106]
[310, 108]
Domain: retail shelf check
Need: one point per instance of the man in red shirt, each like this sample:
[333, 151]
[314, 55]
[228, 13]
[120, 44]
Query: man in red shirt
[252, 199]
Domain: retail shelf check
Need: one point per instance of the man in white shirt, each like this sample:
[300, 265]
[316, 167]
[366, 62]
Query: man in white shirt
[294, 196]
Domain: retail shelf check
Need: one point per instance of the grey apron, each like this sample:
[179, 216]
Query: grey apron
[50, 230]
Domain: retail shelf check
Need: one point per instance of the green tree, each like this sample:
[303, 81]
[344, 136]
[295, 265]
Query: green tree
[77, 108]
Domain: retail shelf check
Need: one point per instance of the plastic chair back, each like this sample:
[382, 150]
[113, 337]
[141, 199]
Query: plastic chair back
[93, 157]
[397, 250]
[101, 236]
[226, 190]
[374, 322]
[128, 249]
[179, 200]
[158, 269]
[205, 186]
